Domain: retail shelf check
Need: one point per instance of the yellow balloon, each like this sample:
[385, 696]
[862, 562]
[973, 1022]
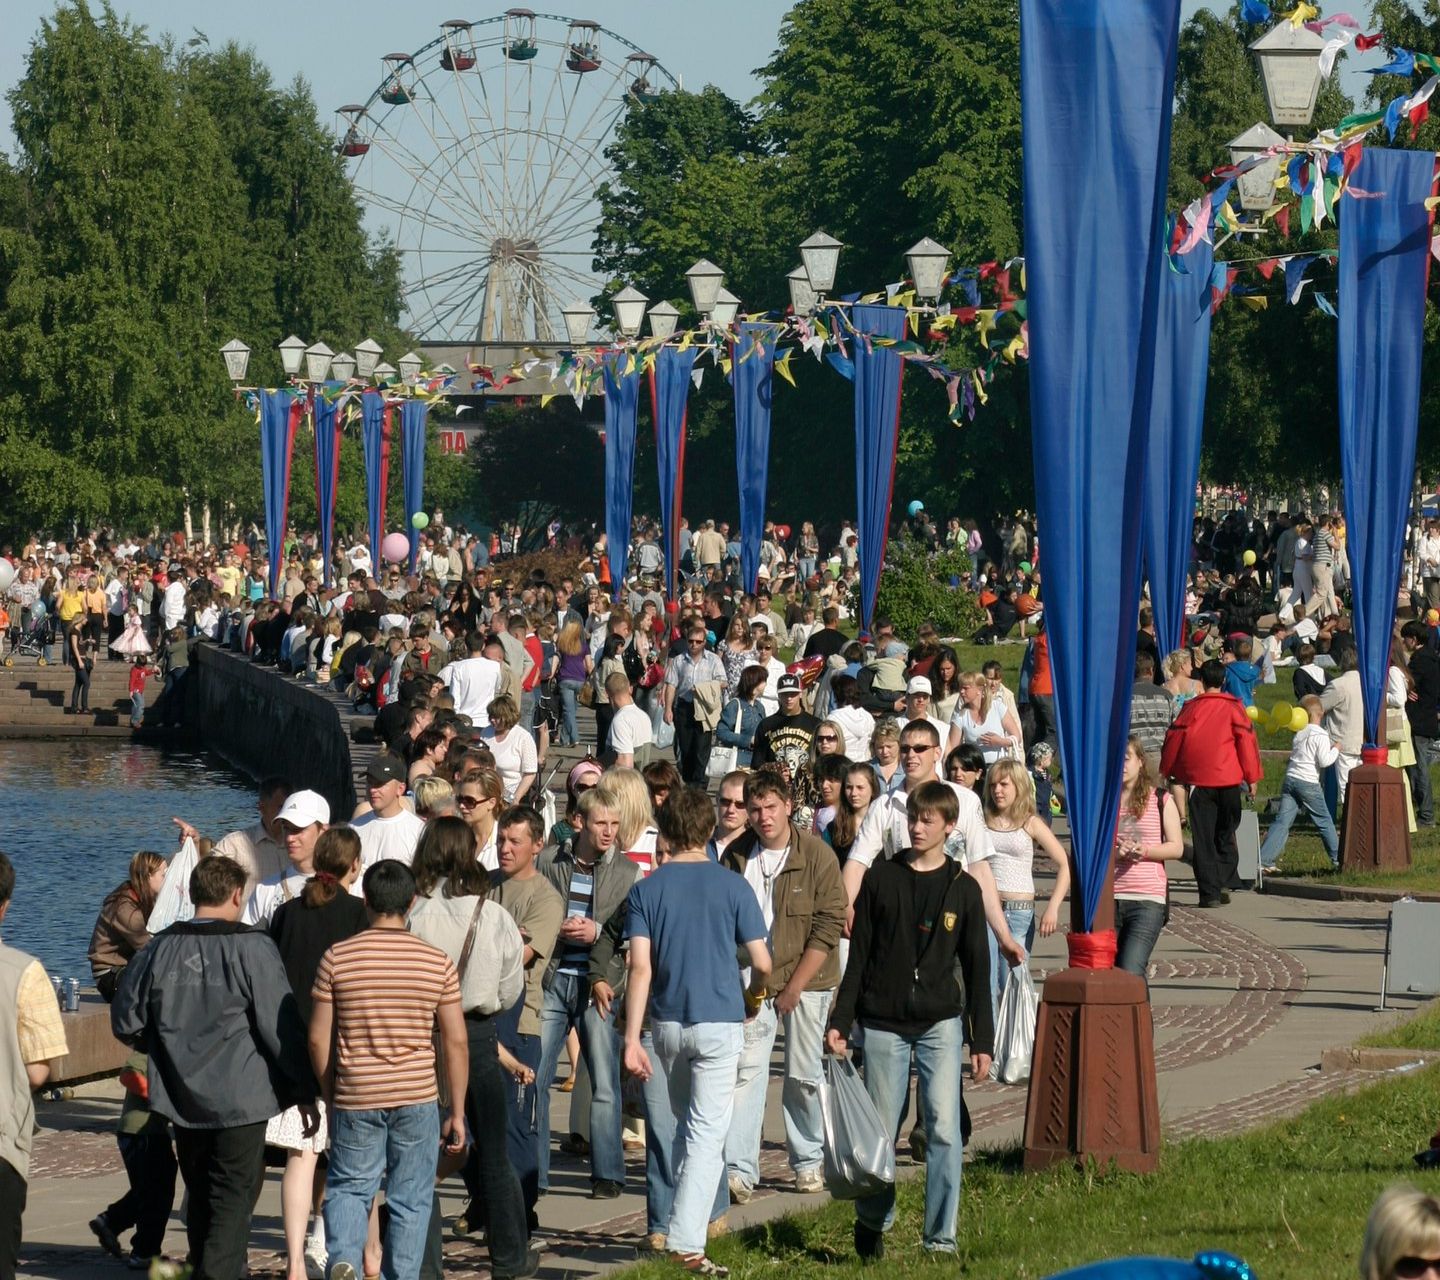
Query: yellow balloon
[1280, 715]
[1253, 712]
[1299, 718]
[1248, 558]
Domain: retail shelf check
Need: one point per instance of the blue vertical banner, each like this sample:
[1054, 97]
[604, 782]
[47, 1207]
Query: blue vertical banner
[669, 398]
[375, 440]
[413, 415]
[622, 395]
[327, 476]
[1177, 419]
[877, 434]
[277, 436]
[1097, 84]
[1384, 259]
[752, 373]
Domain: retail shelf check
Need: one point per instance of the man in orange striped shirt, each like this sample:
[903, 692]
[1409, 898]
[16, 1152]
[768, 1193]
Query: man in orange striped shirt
[377, 998]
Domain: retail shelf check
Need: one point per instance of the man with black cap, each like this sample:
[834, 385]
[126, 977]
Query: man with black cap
[785, 737]
[389, 830]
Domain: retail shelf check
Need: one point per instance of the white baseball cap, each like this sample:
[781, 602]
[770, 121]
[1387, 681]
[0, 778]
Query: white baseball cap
[919, 684]
[304, 808]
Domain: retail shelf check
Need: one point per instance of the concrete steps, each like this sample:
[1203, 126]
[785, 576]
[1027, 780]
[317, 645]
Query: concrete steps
[33, 699]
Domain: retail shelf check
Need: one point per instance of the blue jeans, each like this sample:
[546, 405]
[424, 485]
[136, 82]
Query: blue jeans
[137, 710]
[567, 1004]
[399, 1146]
[569, 712]
[660, 1150]
[1294, 796]
[521, 1137]
[806, 567]
[937, 1055]
[699, 1063]
[527, 710]
[1021, 921]
[800, 1097]
[1139, 924]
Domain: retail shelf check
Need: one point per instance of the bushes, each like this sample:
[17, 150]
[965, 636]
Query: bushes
[915, 588]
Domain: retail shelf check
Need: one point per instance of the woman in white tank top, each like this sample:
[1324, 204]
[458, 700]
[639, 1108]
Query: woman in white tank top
[1015, 829]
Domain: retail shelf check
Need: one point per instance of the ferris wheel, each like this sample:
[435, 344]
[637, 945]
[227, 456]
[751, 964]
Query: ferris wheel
[480, 153]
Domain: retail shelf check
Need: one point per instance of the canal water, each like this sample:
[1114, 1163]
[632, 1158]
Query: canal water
[74, 810]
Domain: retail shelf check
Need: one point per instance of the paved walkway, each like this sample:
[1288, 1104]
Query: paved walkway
[1246, 999]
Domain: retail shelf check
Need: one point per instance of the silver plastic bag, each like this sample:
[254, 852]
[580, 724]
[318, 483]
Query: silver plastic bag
[1015, 1031]
[859, 1153]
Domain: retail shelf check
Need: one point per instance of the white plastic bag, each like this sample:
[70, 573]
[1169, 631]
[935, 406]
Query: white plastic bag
[1015, 1032]
[664, 734]
[173, 902]
[859, 1153]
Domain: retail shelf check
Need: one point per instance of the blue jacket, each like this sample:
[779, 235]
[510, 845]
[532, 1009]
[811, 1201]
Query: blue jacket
[743, 739]
[1241, 679]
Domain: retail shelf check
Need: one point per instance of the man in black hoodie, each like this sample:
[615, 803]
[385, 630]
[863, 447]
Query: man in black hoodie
[1422, 711]
[918, 916]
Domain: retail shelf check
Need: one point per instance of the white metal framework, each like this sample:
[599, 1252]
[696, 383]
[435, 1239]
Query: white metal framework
[480, 154]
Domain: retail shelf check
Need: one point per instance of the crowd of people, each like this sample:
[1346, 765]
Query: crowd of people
[383, 985]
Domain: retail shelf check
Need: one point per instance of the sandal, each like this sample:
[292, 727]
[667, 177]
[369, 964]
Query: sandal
[568, 1086]
[697, 1264]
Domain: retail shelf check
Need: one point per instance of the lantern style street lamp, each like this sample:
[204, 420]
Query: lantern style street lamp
[342, 368]
[1290, 66]
[821, 256]
[409, 367]
[927, 260]
[383, 373]
[629, 306]
[704, 279]
[802, 296]
[367, 356]
[317, 362]
[663, 319]
[1256, 186]
[579, 316]
[727, 305]
[292, 351]
[237, 360]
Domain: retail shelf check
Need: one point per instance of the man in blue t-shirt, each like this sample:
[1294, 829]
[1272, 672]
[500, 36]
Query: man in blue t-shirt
[685, 922]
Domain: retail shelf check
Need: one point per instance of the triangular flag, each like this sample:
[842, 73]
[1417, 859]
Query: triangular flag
[697, 375]
[782, 366]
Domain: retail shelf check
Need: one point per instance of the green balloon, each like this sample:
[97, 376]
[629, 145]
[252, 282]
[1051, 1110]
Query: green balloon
[419, 520]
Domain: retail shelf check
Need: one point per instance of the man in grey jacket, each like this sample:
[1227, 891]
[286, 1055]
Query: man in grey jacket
[209, 1002]
[594, 878]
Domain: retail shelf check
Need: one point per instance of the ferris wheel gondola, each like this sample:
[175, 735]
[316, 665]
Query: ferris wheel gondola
[479, 156]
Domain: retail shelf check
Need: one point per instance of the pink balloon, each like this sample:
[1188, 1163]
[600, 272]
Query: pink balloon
[395, 548]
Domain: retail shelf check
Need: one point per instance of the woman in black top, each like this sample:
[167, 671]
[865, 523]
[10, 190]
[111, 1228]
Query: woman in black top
[304, 929]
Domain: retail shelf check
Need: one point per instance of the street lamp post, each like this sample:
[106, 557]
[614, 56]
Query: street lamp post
[663, 318]
[318, 358]
[927, 260]
[237, 360]
[343, 367]
[1256, 186]
[704, 279]
[1289, 59]
[820, 254]
[578, 316]
[367, 356]
[292, 351]
[409, 367]
[802, 296]
[727, 306]
[629, 306]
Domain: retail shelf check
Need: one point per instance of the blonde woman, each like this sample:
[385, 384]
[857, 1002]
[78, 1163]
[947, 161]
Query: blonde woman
[512, 747]
[983, 721]
[1402, 1237]
[574, 669]
[885, 756]
[624, 792]
[95, 606]
[479, 797]
[1180, 683]
[736, 651]
[434, 798]
[1015, 829]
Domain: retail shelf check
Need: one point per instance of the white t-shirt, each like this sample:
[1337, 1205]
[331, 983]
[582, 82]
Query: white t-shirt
[1311, 751]
[474, 682]
[382, 838]
[514, 756]
[270, 893]
[630, 730]
[886, 829]
[761, 872]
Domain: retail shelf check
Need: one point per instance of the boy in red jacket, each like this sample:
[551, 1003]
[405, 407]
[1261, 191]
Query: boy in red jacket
[1211, 748]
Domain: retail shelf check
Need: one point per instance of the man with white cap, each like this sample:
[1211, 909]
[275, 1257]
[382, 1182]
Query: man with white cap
[389, 830]
[303, 816]
[260, 850]
[918, 702]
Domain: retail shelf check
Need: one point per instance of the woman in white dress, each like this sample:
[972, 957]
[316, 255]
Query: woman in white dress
[983, 721]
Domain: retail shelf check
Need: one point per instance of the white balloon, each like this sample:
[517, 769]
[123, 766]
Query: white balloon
[7, 574]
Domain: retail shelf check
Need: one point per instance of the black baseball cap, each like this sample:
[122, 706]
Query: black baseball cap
[386, 767]
[788, 684]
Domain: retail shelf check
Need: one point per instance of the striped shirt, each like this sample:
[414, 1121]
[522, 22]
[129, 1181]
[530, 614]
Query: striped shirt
[1322, 545]
[386, 985]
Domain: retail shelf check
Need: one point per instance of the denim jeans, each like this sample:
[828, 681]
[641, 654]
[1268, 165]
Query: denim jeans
[137, 709]
[1021, 921]
[807, 568]
[799, 1099]
[521, 1139]
[398, 1146]
[1139, 924]
[660, 1150]
[937, 1054]
[1420, 781]
[699, 1063]
[527, 710]
[569, 712]
[1295, 796]
[567, 1004]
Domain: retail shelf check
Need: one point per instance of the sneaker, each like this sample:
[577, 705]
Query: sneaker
[809, 1181]
[918, 1143]
[606, 1189]
[316, 1258]
[105, 1233]
[740, 1190]
[869, 1243]
[720, 1227]
[697, 1264]
[532, 1265]
[652, 1243]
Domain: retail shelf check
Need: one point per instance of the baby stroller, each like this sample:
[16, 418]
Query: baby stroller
[34, 641]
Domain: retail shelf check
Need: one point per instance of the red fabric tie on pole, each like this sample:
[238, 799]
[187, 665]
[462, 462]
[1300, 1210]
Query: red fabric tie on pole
[1374, 755]
[1093, 950]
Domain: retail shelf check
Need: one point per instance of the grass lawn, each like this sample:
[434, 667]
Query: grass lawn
[1419, 1032]
[1290, 1199]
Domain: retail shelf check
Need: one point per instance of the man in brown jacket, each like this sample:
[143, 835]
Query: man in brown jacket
[797, 883]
